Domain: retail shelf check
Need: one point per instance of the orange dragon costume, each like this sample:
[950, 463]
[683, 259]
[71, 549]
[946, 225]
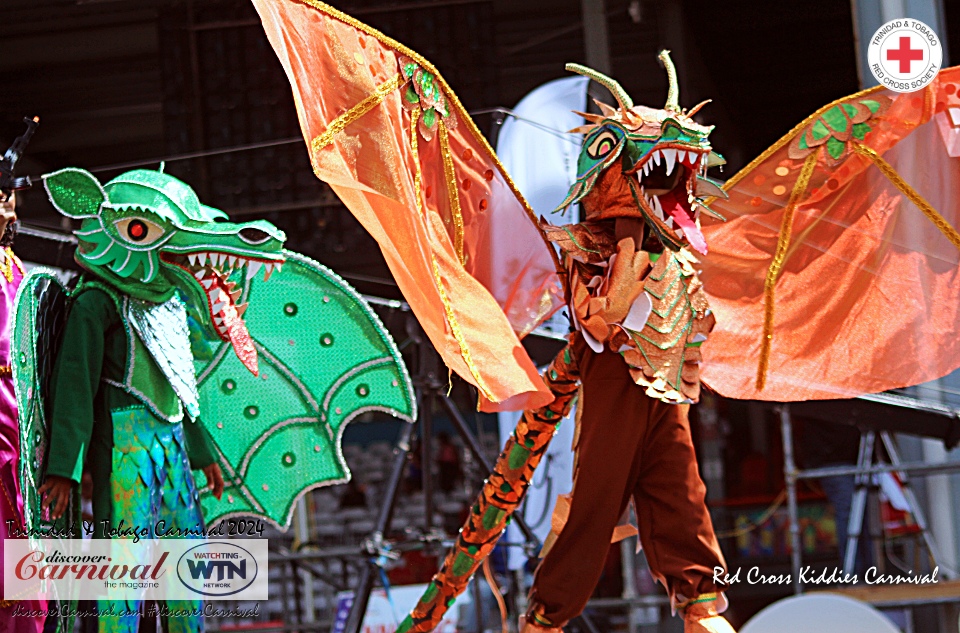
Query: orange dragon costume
[832, 200]
[640, 315]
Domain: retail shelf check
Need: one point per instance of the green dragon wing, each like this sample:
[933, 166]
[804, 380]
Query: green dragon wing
[325, 358]
[42, 305]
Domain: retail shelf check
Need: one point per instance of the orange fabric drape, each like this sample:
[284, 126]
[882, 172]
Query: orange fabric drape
[437, 206]
[868, 295]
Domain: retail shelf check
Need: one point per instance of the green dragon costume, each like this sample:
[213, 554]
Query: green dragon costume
[129, 373]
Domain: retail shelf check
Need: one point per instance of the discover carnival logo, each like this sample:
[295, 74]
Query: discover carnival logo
[217, 569]
[129, 569]
[905, 55]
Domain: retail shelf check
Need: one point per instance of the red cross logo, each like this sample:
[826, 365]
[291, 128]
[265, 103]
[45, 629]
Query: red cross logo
[905, 55]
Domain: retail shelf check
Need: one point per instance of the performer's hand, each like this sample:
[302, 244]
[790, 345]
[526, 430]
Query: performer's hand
[56, 494]
[8, 212]
[214, 479]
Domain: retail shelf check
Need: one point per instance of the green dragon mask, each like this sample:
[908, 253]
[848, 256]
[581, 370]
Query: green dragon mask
[147, 234]
[663, 156]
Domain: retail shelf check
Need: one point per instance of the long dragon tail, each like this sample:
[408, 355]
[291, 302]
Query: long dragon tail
[502, 493]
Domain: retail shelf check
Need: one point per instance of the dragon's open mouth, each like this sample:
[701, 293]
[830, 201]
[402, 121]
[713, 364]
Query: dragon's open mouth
[667, 178]
[212, 270]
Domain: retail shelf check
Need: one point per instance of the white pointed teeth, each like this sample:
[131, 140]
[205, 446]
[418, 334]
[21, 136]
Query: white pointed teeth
[219, 306]
[669, 222]
[224, 265]
[214, 295]
[670, 156]
[657, 208]
[206, 283]
[218, 320]
[680, 233]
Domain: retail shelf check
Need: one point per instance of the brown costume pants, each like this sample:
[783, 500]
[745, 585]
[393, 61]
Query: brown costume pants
[629, 445]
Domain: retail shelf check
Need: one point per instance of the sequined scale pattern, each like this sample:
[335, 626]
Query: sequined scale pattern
[501, 495]
[665, 355]
[150, 482]
[39, 320]
[586, 242]
[164, 332]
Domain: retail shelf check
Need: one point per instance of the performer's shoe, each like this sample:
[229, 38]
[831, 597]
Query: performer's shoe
[702, 617]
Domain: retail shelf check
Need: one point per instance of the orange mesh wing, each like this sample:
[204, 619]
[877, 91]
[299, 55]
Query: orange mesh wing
[394, 143]
[838, 271]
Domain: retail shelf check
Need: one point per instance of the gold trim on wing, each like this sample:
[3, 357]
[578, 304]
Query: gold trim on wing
[779, 256]
[786, 138]
[451, 176]
[438, 280]
[452, 98]
[341, 122]
[912, 194]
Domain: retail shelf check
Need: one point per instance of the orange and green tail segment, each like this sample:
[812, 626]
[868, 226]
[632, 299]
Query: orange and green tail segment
[502, 493]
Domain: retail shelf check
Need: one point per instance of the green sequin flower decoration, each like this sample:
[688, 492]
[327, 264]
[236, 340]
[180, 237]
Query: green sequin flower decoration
[422, 90]
[836, 126]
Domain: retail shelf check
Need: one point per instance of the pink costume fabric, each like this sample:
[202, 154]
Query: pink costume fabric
[11, 502]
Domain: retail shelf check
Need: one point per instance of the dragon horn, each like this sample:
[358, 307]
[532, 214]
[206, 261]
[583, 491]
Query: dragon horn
[616, 89]
[673, 93]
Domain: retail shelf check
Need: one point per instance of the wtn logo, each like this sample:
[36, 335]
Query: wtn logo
[217, 568]
[223, 569]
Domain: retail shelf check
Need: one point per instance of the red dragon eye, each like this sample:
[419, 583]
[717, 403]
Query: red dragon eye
[137, 230]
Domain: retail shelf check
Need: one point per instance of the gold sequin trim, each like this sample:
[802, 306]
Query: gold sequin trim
[5, 370]
[779, 256]
[438, 280]
[341, 122]
[703, 597]
[887, 170]
[452, 192]
[786, 138]
[451, 97]
[6, 266]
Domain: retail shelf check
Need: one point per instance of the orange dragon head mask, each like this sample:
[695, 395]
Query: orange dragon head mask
[640, 162]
